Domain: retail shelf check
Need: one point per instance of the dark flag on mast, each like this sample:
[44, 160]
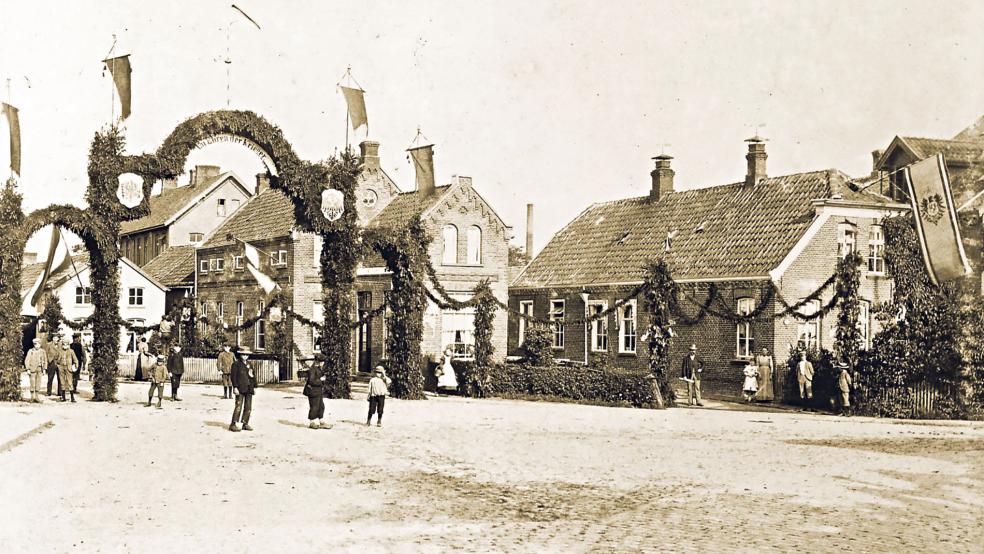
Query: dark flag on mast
[423, 164]
[13, 123]
[356, 101]
[119, 67]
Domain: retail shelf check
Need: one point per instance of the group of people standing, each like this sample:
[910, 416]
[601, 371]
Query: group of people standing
[159, 369]
[63, 360]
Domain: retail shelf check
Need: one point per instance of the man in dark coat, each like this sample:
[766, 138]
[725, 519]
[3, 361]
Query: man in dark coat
[176, 368]
[79, 351]
[691, 370]
[244, 384]
[53, 350]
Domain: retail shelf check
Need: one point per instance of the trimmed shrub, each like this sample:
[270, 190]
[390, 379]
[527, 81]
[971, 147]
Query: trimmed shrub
[536, 343]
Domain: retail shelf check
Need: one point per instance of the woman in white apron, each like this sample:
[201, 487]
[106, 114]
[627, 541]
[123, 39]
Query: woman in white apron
[446, 379]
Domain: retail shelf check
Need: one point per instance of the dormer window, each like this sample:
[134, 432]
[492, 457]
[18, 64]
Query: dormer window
[196, 237]
[220, 207]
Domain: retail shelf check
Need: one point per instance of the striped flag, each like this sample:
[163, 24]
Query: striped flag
[59, 259]
[13, 125]
[120, 69]
[936, 219]
[253, 266]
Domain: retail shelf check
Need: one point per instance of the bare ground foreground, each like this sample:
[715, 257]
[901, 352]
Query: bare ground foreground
[451, 474]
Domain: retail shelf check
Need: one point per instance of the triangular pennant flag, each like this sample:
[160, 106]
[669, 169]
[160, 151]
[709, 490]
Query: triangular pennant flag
[253, 266]
[119, 67]
[936, 219]
[423, 163]
[356, 101]
[59, 259]
[13, 124]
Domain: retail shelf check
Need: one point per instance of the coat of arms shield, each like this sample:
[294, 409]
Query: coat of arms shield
[332, 204]
[129, 191]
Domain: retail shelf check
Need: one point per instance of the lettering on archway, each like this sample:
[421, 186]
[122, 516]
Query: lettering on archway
[265, 158]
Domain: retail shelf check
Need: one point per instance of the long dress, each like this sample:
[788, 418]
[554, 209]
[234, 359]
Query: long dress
[764, 364]
[447, 380]
[138, 374]
[750, 386]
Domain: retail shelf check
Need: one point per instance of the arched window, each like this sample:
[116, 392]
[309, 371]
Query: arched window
[450, 245]
[474, 245]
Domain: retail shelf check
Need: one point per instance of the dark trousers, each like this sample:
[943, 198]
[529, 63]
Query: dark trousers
[317, 407]
[376, 404]
[75, 380]
[160, 392]
[53, 377]
[244, 405]
[175, 383]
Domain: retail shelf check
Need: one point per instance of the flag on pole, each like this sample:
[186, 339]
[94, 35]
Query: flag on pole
[356, 101]
[13, 125]
[253, 266]
[936, 219]
[423, 163]
[119, 67]
[59, 259]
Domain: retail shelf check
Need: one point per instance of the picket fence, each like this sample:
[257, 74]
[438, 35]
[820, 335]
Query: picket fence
[921, 398]
[204, 370]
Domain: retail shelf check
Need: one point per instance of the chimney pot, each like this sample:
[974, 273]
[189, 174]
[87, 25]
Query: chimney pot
[203, 173]
[262, 182]
[756, 160]
[875, 158]
[662, 177]
[370, 154]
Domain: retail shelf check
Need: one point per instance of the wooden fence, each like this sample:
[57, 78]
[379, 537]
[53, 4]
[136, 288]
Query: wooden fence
[204, 370]
[915, 401]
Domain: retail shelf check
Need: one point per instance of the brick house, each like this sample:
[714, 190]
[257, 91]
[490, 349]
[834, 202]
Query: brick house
[163, 242]
[267, 221]
[786, 230]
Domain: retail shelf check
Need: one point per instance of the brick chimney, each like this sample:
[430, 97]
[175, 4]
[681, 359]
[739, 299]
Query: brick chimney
[662, 178]
[202, 173]
[262, 182]
[461, 180]
[875, 157]
[756, 160]
[370, 154]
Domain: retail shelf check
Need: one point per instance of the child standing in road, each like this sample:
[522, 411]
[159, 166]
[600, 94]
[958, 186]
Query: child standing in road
[750, 386]
[378, 389]
[157, 375]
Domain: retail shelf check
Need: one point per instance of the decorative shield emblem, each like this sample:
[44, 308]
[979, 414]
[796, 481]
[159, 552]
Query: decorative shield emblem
[932, 208]
[276, 315]
[332, 204]
[130, 190]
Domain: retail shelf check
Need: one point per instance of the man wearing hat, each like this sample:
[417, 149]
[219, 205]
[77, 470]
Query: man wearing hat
[35, 363]
[157, 375]
[66, 362]
[691, 370]
[244, 384]
[378, 389]
[844, 383]
[53, 349]
[175, 366]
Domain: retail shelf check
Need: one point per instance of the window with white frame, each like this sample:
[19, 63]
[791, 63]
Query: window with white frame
[318, 316]
[260, 338]
[745, 347]
[525, 308]
[876, 250]
[599, 327]
[237, 263]
[808, 332]
[203, 318]
[458, 327]
[474, 245]
[557, 317]
[234, 205]
[135, 296]
[627, 328]
[847, 239]
[279, 258]
[196, 237]
[220, 311]
[220, 207]
[449, 255]
[131, 336]
[864, 323]
[239, 321]
[203, 266]
[218, 264]
[83, 296]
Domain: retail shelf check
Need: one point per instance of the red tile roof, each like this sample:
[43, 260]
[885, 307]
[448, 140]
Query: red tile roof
[268, 215]
[722, 231]
[174, 267]
[407, 205]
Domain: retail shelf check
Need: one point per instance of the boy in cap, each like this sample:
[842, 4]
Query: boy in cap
[35, 363]
[377, 395]
[157, 375]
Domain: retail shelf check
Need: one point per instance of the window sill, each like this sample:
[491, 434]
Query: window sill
[628, 353]
[741, 361]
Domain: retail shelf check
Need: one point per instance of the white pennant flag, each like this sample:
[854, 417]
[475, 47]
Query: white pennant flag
[253, 266]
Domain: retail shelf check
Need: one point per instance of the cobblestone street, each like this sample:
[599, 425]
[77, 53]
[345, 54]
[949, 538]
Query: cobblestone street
[480, 475]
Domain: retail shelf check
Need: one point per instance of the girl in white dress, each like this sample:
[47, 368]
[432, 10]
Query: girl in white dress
[446, 378]
[750, 386]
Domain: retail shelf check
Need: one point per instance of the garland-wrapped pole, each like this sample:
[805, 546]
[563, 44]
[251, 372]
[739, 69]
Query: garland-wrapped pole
[484, 320]
[659, 292]
[847, 343]
[11, 253]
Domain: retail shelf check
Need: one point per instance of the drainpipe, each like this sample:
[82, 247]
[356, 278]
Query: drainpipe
[584, 300]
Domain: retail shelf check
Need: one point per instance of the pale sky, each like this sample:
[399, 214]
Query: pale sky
[559, 103]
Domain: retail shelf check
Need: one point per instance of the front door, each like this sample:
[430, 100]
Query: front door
[364, 302]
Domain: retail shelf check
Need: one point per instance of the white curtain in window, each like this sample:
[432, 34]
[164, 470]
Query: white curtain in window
[450, 255]
[474, 245]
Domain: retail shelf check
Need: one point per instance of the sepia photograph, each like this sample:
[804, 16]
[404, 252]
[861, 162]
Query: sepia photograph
[624, 277]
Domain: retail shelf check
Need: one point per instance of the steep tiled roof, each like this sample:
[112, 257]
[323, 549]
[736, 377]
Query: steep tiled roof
[954, 150]
[724, 231]
[268, 215]
[80, 262]
[29, 274]
[168, 203]
[405, 206]
[174, 267]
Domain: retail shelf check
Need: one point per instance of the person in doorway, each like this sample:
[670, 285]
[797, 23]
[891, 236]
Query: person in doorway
[844, 383]
[66, 362]
[225, 361]
[53, 350]
[35, 363]
[750, 386]
[446, 378]
[692, 368]
[80, 355]
[314, 389]
[378, 389]
[766, 369]
[804, 375]
[244, 385]
[157, 374]
[143, 351]
[176, 368]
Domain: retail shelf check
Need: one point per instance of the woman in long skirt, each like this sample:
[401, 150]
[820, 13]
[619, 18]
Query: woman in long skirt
[765, 370]
[446, 378]
[143, 357]
[314, 389]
